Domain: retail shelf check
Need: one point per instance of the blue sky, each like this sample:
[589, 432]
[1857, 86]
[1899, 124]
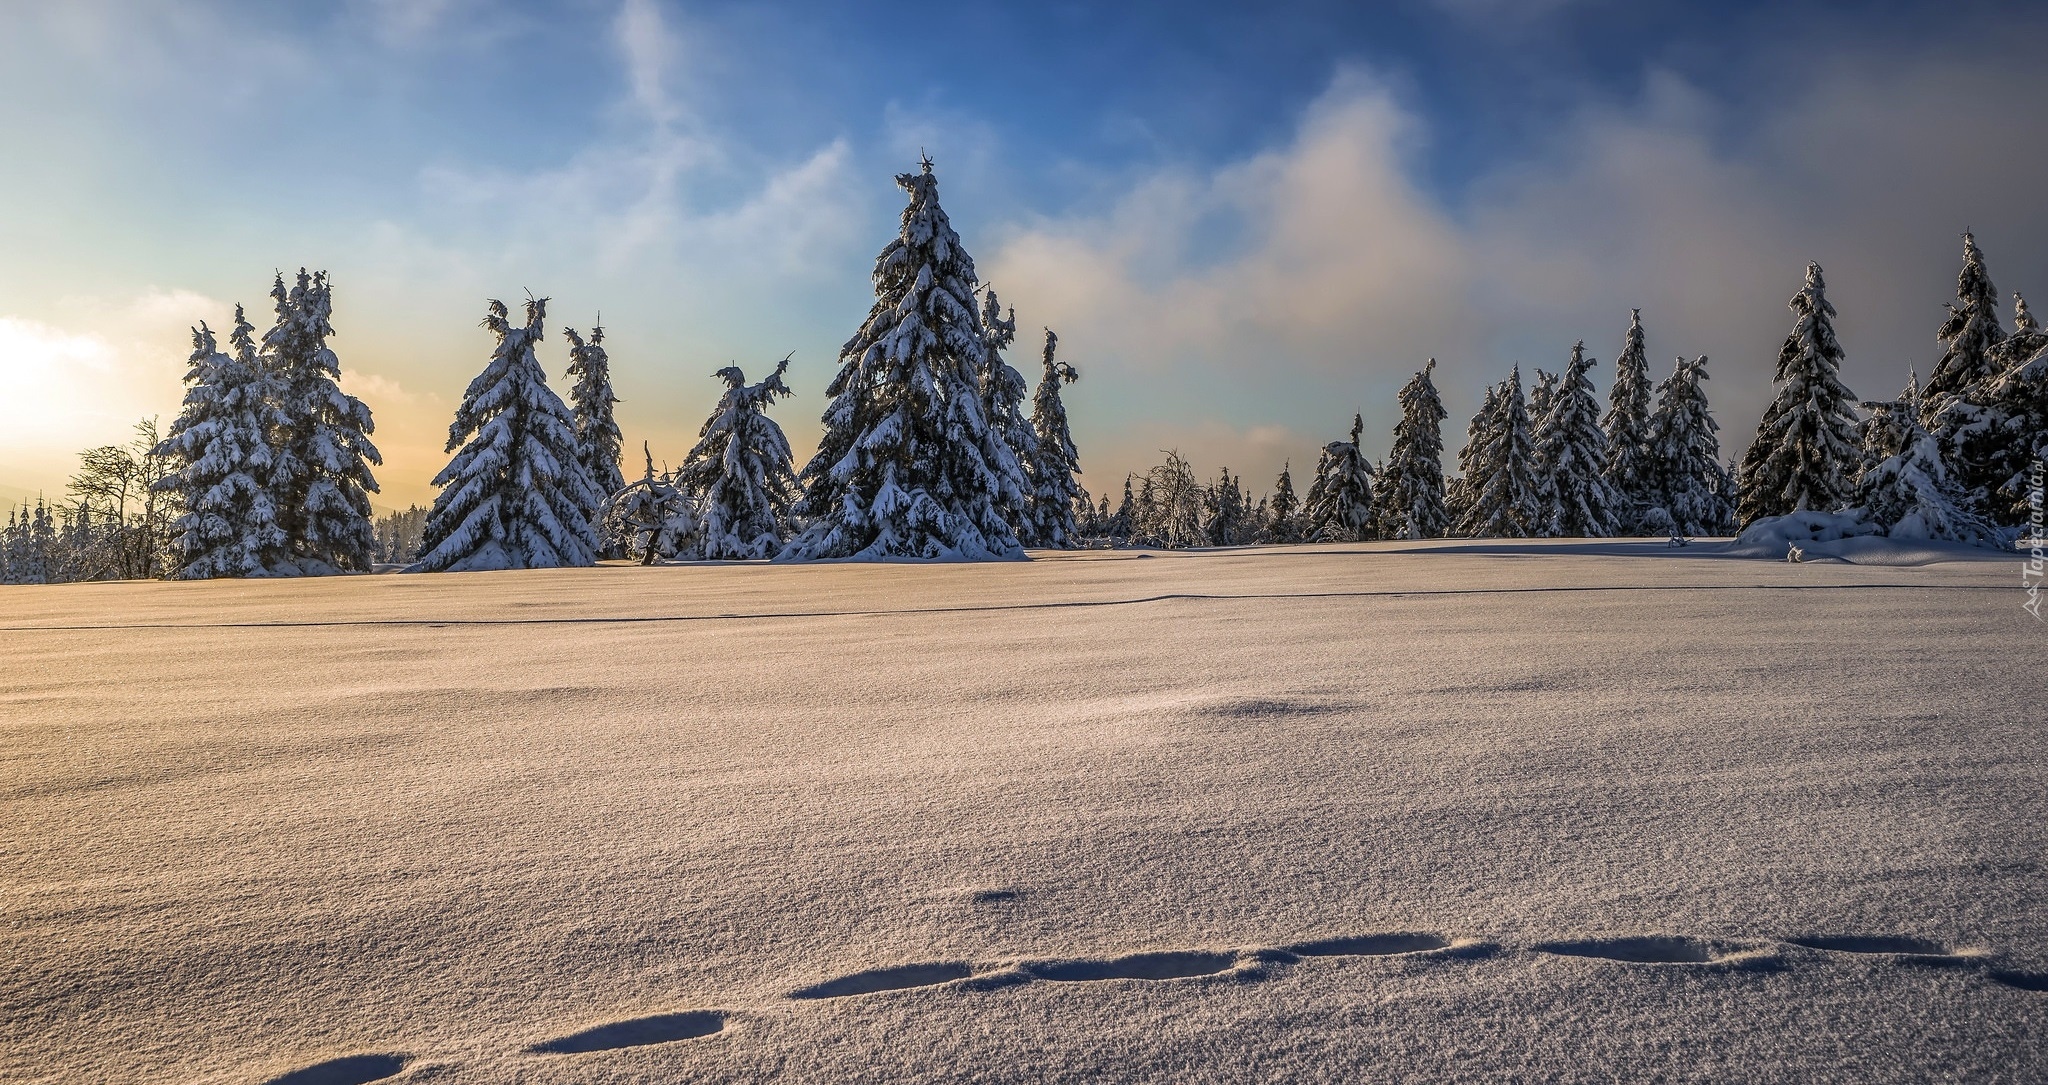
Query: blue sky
[1245, 221]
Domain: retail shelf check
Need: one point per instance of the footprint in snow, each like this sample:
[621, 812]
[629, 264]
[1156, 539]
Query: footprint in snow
[1161, 965]
[347, 1070]
[1906, 948]
[1374, 945]
[661, 1028]
[1662, 949]
[894, 978]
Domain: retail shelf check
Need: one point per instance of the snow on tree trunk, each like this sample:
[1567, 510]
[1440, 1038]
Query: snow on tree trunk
[514, 496]
[910, 466]
[1685, 485]
[1055, 489]
[1501, 475]
[1571, 458]
[597, 434]
[1631, 471]
[739, 476]
[324, 451]
[1339, 503]
[1412, 488]
[223, 463]
[1806, 444]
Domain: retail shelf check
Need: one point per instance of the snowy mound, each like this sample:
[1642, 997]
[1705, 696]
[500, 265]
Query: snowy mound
[1846, 537]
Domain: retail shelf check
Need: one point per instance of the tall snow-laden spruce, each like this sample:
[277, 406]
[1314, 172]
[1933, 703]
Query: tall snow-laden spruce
[1682, 471]
[514, 495]
[1411, 490]
[1959, 406]
[1571, 458]
[323, 443]
[590, 410]
[1906, 489]
[1502, 474]
[1805, 448]
[1002, 403]
[1970, 334]
[1339, 503]
[1462, 493]
[223, 463]
[1055, 489]
[739, 475]
[909, 465]
[2017, 424]
[1631, 474]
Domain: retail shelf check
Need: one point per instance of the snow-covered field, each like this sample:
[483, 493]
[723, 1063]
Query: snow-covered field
[1536, 811]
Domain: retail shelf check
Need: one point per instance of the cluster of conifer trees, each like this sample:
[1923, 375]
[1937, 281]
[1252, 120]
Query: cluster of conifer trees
[928, 452]
[1952, 461]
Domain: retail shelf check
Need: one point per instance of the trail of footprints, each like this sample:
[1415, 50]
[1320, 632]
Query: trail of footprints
[1242, 965]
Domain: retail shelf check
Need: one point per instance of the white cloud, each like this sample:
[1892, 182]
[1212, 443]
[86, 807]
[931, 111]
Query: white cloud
[651, 51]
[1303, 283]
[65, 386]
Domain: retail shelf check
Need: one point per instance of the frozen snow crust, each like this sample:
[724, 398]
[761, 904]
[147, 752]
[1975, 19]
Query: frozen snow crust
[1513, 810]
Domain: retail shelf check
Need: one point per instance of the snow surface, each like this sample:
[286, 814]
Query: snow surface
[1396, 811]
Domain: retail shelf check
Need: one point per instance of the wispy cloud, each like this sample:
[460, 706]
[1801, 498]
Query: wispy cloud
[84, 384]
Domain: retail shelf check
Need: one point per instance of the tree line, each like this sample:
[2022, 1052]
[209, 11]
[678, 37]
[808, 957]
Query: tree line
[928, 452]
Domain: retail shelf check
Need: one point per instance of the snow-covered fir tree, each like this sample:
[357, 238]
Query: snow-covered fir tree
[1970, 334]
[739, 476]
[1054, 488]
[514, 495]
[2016, 433]
[1281, 524]
[29, 535]
[1411, 490]
[909, 465]
[32, 546]
[590, 408]
[1541, 395]
[1002, 403]
[1461, 493]
[1339, 503]
[1227, 512]
[655, 516]
[1631, 475]
[2027, 340]
[223, 463]
[1571, 457]
[1907, 491]
[1120, 521]
[1805, 447]
[1502, 472]
[324, 454]
[1683, 476]
[1957, 405]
